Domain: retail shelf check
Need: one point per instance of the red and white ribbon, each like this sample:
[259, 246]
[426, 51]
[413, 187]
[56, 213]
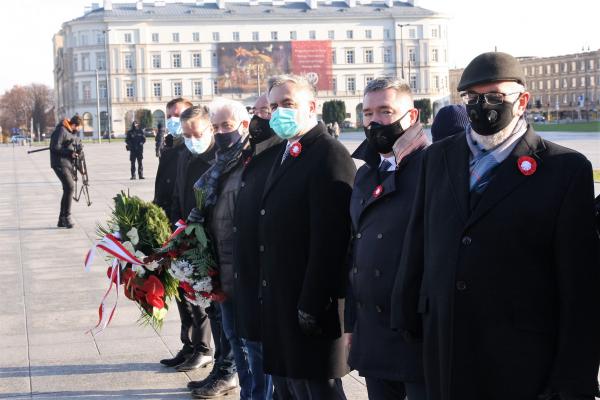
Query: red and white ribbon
[104, 317]
[112, 245]
[181, 225]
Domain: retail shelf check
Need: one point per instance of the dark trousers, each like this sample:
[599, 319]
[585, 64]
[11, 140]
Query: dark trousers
[382, 389]
[308, 389]
[65, 174]
[133, 157]
[239, 351]
[224, 359]
[195, 327]
[262, 384]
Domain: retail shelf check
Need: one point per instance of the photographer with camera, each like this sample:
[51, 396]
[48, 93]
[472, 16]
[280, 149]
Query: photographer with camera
[64, 149]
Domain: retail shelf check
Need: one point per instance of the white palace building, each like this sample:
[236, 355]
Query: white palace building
[151, 52]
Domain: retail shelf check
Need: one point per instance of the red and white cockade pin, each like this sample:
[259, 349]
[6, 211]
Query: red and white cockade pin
[247, 160]
[527, 165]
[378, 191]
[295, 149]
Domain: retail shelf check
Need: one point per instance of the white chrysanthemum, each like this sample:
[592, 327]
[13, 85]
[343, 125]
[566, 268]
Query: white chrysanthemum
[152, 266]
[133, 236]
[203, 285]
[201, 301]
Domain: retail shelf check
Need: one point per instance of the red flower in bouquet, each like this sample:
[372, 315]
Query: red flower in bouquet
[153, 286]
[155, 301]
[188, 290]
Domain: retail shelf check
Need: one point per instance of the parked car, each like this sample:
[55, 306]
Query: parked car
[149, 132]
[539, 118]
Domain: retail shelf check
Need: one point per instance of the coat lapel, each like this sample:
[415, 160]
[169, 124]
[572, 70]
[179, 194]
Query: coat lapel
[508, 177]
[456, 158]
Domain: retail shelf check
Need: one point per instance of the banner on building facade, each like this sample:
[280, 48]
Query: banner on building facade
[244, 66]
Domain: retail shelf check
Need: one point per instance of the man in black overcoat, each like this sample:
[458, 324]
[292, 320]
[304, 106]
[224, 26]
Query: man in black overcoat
[303, 232]
[134, 141]
[500, 269]
[380, 207]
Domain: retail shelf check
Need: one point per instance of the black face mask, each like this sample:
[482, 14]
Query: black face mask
[489, 119]
[226, 139]
[259, 130]
[383, 137]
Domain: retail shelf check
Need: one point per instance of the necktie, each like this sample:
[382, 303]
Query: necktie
[286, 153]
[384, 166]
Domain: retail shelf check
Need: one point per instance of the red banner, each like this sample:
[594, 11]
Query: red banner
[312, 58]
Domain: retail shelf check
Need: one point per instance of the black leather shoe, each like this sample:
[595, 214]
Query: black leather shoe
[65, 222]
[195, 361]
[216, 388]
[132, 178]
[181, 356]
[61, 223]
[198, 384]
[142, 177]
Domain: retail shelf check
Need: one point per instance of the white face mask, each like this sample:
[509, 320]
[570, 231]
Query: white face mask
[174, 126]
[199, 146]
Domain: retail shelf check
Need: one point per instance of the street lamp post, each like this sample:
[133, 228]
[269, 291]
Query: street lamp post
[402, 49]
[98, 119]
[106, 66]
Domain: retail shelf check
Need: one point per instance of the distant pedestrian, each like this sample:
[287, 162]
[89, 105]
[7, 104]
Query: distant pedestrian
[160, 135]
[449, 121]
[134, 143]
[336, 130]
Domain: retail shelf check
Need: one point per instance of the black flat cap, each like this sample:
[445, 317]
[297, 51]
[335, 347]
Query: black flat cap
[491, 67]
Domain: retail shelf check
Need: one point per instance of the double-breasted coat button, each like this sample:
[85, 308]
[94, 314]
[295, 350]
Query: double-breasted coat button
[264, 283]
[263, 212]
[235, 275]
[379, 236]
[358, 235]
[355, 270]
[261, 248]
[378, 309]
[234, 229]
[461, 285]
[467, 240]
[243, 184]
[377, 273]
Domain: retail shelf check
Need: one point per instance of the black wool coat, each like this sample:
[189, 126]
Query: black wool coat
[166, 175]
[378, 226]
[303, 231]
[61, 147]
[135, 140]
[190, 168]
[246, 267]
[506, 295]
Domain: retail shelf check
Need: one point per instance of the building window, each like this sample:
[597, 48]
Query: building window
[255, 36]
[387, 55]
[349, 56]
[556, 69]
[582, 81]
[349, 34]
[412, 33]
[565, 67]
[197, 86]
[368, 56]
[129, 90]
[176, 37]
[386, 33]
[368, 34]
[351, 84]
[157, 89]
[176, 60]
[128, 60]
[590, 65]
[556, 84]
[86, 88]
[196, 36]
[76, 90]
[548, 69]
[573, 82]
[155, 60]
[85, 62]
[573, 66]
[177, 89]
[330, 35]
[215, 36]
[197, 60]
[434, 55]
[434, 33]
[293, 35]
[333, 56]
[367, 80]
[274, 35]
[582, 65]
[334, 84]
[75, 63]
[236, 36]
[155, 37]
[215, 87]
[548, 84]
[541, 85]
[312, 35]
[102, 89]
[564, 83]
[128, 38]
[99, 37]
[412, 55]
[83, 39]
[413, 82]
[532, 85]
[436, 82]
[214, 59]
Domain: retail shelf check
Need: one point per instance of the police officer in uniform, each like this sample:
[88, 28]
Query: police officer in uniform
[64, 144]
[134, 141]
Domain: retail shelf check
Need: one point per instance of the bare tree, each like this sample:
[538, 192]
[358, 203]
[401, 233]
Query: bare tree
[41, 100]
[21, 103]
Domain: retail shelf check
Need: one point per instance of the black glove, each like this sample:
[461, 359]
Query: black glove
[196, 217]
[127, 147]
[308, 324]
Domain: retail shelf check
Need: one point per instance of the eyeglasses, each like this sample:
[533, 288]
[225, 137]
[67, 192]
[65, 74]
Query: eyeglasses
[491, 98]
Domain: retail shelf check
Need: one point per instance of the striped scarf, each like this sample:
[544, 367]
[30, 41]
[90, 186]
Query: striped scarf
[484, 162]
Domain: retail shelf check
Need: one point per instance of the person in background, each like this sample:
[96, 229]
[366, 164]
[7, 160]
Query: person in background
[160, 136]
[134, 143]
[449, 121]
[63, 152]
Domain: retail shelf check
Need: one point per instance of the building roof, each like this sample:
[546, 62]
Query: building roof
[236, 10]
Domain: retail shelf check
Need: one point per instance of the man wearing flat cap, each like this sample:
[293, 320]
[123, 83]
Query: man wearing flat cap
[500, 272]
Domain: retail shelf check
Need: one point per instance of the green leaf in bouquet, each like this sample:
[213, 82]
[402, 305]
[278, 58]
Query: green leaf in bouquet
[201, 236]
[189, 229]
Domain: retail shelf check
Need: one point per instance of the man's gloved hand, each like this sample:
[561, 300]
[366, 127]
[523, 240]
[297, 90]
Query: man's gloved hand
[196, 217]
[308, 324]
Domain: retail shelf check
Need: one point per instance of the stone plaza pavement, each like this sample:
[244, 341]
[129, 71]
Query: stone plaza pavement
[48, 302]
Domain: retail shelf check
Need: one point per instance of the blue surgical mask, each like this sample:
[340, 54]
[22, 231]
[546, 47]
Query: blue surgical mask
[198, 146]
[283, 122]
[174, 126]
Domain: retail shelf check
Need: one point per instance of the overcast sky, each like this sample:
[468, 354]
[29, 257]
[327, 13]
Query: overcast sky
[519, 27]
